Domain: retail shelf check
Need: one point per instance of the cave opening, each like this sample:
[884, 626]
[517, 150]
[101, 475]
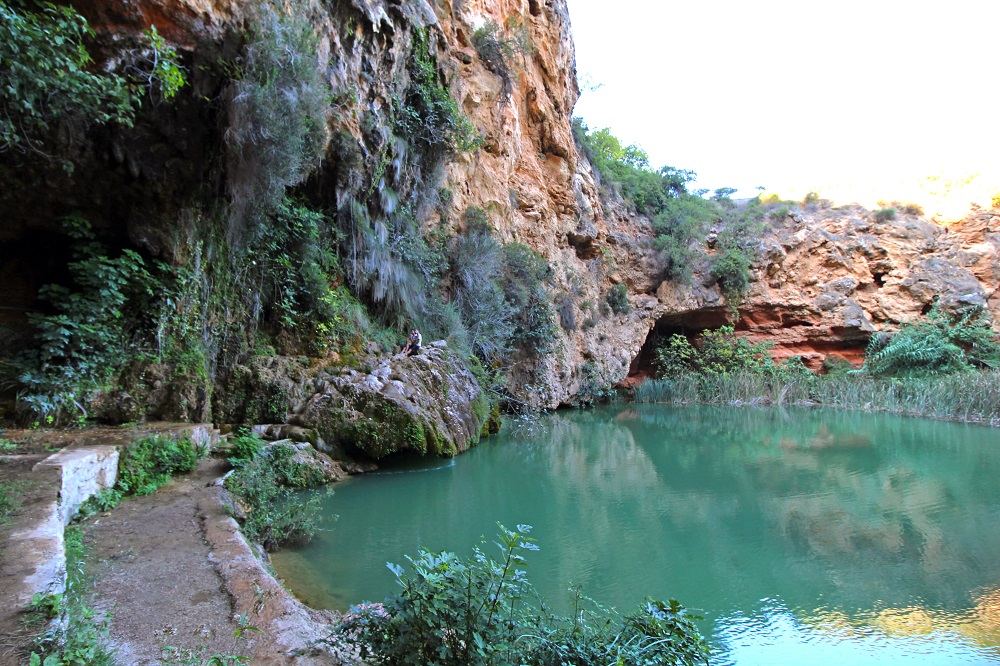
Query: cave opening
[688, 324]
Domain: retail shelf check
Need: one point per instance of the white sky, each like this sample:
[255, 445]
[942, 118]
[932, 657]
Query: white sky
[852, 99]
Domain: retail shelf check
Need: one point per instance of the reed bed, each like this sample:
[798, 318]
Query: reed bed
[972, 397]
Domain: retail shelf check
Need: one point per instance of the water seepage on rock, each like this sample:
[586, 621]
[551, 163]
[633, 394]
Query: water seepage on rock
[429, 404]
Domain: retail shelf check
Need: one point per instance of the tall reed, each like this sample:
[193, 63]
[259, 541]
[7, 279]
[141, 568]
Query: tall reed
[972, 397]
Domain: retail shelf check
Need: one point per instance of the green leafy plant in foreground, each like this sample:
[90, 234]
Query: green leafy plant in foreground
[483, 610]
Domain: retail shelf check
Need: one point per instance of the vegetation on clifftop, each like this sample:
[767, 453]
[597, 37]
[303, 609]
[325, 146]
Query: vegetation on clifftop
[682, 220]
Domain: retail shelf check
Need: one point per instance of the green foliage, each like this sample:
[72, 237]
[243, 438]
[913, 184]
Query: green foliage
[426, 112]
[936, 344]
[484, 610]
[836, 365]
[82, 345]
[156, 65]
[680, 231]
[477, 264]
[278, 101]
[274, 516]
[731, 269]
[244, 448]
[779, 213]
[524, 272]
[617, 299]
[680, 218]
[498, 49]
[392, 264]
[44, 66]
[148, 463]
[102, 502]
[84, 640]
[48, 74]
[718, 352]
[290, 471]
[594, 386]
[885, 214]
[627, 168]
[737, 247]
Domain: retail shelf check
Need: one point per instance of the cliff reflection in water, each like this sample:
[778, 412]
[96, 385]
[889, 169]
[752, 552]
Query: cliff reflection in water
[857, 519]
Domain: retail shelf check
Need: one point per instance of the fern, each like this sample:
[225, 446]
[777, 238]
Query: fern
[939, 343]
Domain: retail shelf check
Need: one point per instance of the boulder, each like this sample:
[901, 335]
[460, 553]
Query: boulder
[429, 404]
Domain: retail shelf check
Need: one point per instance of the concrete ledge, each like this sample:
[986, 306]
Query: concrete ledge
[34, 556]
[84, 473]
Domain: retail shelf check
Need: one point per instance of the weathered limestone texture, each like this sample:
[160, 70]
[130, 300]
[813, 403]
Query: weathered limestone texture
[429, 404]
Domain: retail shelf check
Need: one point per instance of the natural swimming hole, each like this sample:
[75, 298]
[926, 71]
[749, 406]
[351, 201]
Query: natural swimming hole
[801, 535]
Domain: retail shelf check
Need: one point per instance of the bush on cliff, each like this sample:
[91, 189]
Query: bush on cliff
[483, 610]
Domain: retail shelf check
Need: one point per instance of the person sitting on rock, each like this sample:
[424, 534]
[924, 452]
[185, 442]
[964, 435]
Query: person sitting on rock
[413, 343]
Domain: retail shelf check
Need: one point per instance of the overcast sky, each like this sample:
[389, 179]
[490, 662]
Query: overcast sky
[848, 98]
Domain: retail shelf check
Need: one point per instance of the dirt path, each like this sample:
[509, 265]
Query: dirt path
[152, 572]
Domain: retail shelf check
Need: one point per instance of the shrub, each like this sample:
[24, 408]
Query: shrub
[82, 345]
[102, 502]
[291, 263]
[617, 299]
[937, 344]
[885, 214]
[48, 76]
[524, 272]
[719, 352]
[498, 49]
[148, 463]
[426, 113]
[738, 246]
[244, 448]
[274, 516]
[731, 269]
[627, 167]
[779, 213]
[679, 228]
[81, 639]
[278, 101]
[477, 265]
[480, 610]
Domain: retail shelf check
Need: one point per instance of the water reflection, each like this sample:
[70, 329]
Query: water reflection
[867, 529]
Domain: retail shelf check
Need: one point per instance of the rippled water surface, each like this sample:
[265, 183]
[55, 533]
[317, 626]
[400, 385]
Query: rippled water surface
[802, 536]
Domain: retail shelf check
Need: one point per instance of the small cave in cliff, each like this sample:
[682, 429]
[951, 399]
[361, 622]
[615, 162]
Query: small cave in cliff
[688, 324]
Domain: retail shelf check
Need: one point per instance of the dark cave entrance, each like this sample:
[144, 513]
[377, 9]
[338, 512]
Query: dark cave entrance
[688, 324]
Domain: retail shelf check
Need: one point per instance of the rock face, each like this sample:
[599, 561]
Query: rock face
[826, 281]
[429, 404]
[829, 278]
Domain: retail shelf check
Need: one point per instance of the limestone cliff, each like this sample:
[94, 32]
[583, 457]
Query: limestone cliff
[827, 278]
